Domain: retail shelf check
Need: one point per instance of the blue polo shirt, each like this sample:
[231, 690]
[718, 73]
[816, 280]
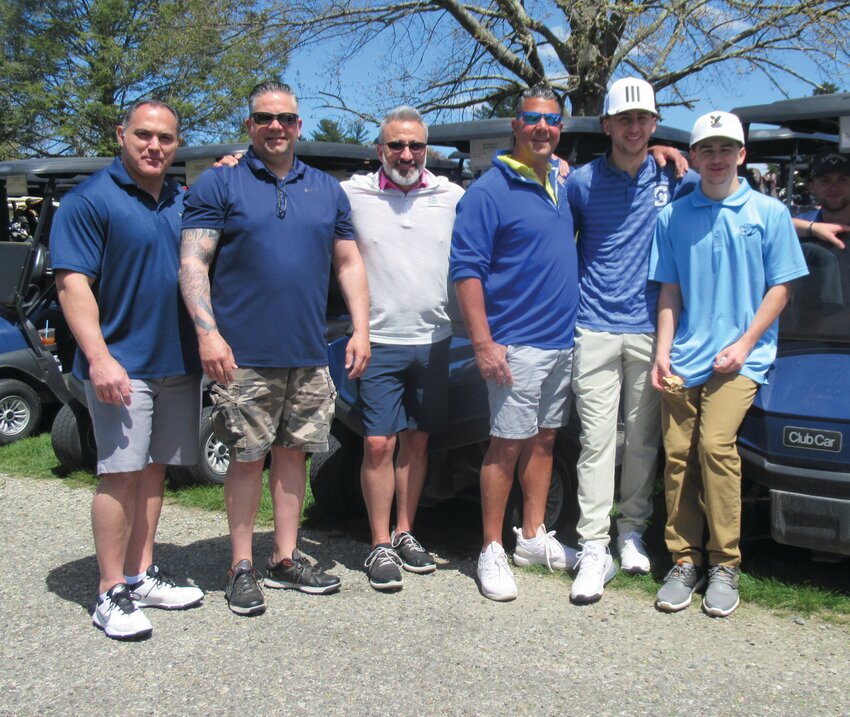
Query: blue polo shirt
[614, 215]
[272, 268]
[510, 234]
[724, 256]
[109, 229]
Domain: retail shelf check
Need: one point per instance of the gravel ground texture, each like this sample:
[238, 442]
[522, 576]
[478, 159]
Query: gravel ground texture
[435, 648]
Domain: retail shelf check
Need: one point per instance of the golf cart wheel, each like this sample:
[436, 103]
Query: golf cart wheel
[214, 458]
[20, 410]
[72, 437]
[335, 475]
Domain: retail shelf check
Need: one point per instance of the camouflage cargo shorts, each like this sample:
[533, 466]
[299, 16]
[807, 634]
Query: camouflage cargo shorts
[289, 407]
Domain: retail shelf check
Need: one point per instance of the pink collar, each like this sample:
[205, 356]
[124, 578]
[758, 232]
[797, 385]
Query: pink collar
[384, 182]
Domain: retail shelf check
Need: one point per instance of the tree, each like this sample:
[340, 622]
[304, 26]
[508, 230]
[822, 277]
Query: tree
[350, 132]
[71, 68]
[826, 88]
[456, 54]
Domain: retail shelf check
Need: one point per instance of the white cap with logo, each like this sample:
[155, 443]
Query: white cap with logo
[630, 93]
[719, 125]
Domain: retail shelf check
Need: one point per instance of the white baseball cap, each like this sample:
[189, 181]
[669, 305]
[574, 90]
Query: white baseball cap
[717, 125]
[630, 93]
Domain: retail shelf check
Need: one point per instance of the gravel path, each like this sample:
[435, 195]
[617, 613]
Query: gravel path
[435, 648]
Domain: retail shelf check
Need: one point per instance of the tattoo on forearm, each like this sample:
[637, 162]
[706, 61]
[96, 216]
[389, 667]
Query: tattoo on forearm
[197, 250]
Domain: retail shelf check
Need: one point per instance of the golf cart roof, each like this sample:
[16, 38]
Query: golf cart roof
[582, 138]
[819, 113]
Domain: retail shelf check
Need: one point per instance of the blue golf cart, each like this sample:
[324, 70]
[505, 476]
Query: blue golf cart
[794, 442]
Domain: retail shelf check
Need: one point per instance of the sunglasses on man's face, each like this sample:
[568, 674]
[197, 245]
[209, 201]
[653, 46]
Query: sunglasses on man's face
[287, 119]
[398, 146]
[553, 119]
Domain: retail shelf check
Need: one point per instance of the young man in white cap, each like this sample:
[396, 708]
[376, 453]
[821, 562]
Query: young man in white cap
[724, 256]
[615, 202]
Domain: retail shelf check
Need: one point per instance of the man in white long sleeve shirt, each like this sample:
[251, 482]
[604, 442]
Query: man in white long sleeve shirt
[403, 217]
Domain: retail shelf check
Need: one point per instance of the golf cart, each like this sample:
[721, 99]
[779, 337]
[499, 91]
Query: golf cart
[794, 440]
[455, 455]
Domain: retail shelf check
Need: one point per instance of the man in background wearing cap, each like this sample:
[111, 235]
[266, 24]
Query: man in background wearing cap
[615, 201]
[724, 256]
[830, 183]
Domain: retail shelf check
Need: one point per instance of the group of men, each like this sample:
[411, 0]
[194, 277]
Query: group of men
[551, 277]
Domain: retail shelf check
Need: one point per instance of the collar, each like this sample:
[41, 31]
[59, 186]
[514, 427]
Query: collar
[384, 182]
[736, 199]
[525, 172]
[122, 177]
[259, 167]
[648, 165]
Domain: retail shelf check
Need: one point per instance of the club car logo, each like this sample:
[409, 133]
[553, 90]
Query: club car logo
[796, 437]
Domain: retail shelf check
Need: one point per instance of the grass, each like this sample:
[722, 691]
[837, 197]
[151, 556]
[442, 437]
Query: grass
[780, 578]
[34, 457]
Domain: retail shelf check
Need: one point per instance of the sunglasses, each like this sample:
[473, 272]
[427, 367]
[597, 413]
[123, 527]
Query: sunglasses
[398, 146]
[287, 119]
[553, 119]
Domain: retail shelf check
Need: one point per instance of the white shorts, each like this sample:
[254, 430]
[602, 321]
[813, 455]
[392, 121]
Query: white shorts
[161, 425]
[539, 396]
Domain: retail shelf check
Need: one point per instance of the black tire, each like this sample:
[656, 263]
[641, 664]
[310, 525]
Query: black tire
[20, 410]
[335, 475]
[562, 510]
[214, 457]
[72, 437]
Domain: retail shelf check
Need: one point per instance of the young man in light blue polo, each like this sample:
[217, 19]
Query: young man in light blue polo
[724, 256]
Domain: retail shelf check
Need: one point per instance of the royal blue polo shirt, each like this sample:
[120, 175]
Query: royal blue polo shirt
[272, 267]
[614, 215]
[518, 241]
[111, 230]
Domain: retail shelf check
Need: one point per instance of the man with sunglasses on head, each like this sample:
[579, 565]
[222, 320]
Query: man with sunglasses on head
[615, 201]
[403, 217]
[115, 243]
[514, 265]
[259, 240]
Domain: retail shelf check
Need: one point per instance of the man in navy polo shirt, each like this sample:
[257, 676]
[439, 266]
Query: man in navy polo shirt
[258, 244]
[114, 244]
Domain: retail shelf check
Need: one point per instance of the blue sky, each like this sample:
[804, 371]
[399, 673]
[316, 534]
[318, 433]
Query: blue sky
[308, 72]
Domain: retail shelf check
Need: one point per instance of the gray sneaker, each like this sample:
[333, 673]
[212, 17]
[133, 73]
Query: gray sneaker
[679, 585]
[721, 596]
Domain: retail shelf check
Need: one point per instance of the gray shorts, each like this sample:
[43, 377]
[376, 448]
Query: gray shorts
[539, 396]
[161, 425]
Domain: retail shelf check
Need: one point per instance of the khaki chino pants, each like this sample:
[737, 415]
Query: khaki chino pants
[702, 478]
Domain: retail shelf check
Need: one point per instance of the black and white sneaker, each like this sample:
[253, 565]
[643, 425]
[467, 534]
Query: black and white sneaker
[243, 592]
[383, 568]
[158, 589]
[299, 574]
[414, 558]
[119, 617]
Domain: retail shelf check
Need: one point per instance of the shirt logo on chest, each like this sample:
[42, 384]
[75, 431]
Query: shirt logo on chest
[662, 195]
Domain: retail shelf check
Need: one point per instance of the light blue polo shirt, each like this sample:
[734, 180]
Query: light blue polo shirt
[272, 267]
[111, 230]
[614, 215]
[724, 256]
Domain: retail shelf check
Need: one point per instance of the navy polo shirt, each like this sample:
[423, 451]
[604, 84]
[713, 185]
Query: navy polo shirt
[271, 271]
[110, 229]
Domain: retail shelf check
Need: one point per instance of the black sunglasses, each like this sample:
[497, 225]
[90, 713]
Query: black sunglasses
[287, 119]
[553, 119]
[398, 146]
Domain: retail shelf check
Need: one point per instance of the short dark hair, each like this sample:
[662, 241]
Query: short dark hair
[541, 91]
[270, 86]
[128, 113]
